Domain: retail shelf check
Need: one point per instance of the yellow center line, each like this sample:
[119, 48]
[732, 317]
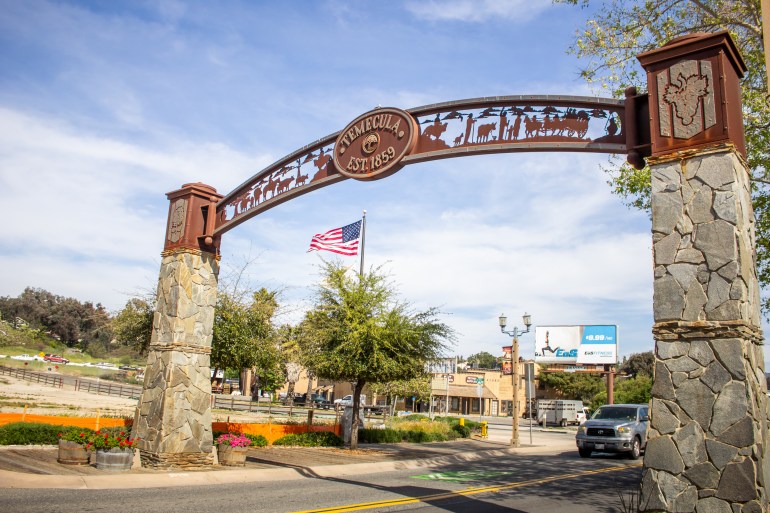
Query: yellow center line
[464, 492]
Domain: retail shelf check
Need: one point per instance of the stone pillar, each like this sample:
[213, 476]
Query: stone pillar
[173, 422]
[707, 443]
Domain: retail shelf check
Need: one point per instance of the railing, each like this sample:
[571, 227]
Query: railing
[37, 377]
[83, 385]
[108, 388]
[222, 402]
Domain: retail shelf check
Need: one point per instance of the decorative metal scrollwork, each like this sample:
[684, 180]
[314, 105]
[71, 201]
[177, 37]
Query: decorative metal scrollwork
[523, 123]
[308, 168]
[481, 125]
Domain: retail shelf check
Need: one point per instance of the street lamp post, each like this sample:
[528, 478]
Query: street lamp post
[515, 376]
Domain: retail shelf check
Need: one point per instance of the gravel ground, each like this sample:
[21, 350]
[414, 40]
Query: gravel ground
[41, 399]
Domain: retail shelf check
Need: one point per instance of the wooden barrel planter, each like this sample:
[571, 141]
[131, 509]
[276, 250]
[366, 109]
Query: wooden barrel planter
[115, 459]
[232, 456]
[72, 453]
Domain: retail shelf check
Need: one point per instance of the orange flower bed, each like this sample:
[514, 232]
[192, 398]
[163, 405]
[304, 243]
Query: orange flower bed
[271, 432]
[94, 423]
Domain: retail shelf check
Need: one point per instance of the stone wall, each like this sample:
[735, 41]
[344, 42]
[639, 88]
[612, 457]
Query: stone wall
[708, 436]
[174, 418]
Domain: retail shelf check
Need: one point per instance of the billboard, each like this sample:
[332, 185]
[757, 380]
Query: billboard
[442, 366]
[581, 344]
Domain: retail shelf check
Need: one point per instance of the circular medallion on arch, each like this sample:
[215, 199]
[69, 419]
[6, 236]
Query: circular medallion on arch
[373, 145]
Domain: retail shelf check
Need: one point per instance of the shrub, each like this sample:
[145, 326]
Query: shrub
[256, 440]
[463, 431]
[414, 431]
[311, 439]
[380, 436]
[414, 417]
[32, 433]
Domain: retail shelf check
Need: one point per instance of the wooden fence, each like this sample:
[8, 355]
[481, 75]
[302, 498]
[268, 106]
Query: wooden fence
[37, 377]
[83, 385]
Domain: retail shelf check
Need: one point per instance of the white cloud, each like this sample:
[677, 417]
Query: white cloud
[517, 11]
[106, 109]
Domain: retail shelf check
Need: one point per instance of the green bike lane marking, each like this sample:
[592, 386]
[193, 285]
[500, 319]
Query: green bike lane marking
[460, 476]
[464, 492]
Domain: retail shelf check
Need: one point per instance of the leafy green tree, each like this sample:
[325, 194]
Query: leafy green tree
[132, 326]
[573, 385]
[621, 29]
[416, 387]
[638, 364]
[483, 360]
[244, 337]
[66, 319]
[637, 390]
[359, 331]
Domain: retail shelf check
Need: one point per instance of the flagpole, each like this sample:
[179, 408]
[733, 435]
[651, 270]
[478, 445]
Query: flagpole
[363, 240]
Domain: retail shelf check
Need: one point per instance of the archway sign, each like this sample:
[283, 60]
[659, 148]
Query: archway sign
[709, 416]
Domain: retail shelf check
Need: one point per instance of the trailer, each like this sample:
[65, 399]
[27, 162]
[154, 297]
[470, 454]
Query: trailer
[561, 412]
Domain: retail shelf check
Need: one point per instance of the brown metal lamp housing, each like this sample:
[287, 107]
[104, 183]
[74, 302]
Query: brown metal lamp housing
[695, 83]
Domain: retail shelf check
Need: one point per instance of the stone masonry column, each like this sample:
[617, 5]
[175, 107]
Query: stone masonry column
[173, 422]
[708, 438]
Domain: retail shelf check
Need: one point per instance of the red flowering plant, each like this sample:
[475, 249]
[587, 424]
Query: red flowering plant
[233, 440]
[79, 436]
[109, 439]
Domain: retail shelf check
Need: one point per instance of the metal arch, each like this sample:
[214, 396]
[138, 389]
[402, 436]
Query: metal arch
[494, 124]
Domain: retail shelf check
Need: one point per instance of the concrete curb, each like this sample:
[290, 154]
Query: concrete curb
[9, 479]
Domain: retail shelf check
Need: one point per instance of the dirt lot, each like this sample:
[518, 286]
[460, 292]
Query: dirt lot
[40, 399]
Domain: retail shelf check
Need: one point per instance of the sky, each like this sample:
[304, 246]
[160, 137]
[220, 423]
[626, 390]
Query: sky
[107, 106]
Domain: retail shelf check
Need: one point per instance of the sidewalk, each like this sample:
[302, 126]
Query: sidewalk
[36, 466]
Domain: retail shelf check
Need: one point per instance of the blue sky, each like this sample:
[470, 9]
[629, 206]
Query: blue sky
[106, 106]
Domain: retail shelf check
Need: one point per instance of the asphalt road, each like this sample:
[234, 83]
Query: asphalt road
[512, 483]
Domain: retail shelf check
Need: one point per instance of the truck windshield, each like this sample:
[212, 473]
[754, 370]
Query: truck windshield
[615, 413]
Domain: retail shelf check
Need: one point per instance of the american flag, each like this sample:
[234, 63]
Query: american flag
[343, 241]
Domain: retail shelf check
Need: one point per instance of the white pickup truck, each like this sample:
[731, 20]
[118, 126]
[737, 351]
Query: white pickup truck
[365, 408]
[348, 401]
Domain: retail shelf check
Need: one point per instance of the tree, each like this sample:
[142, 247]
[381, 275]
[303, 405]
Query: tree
[66, 319]
[638, 364]
[358, 331]
[483, 360]
[417, 387]
[244, 337]
[573, 385]
[132, 326]
[621, 29]
[637, 390]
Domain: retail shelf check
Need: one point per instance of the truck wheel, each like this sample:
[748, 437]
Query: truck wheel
[563, 423]
[584, 453]
[636, 449]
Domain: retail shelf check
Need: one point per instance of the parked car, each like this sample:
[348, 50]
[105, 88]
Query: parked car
[348, 401]
[317, 401]
[53, 358]
[23, 357]
[618, 428]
